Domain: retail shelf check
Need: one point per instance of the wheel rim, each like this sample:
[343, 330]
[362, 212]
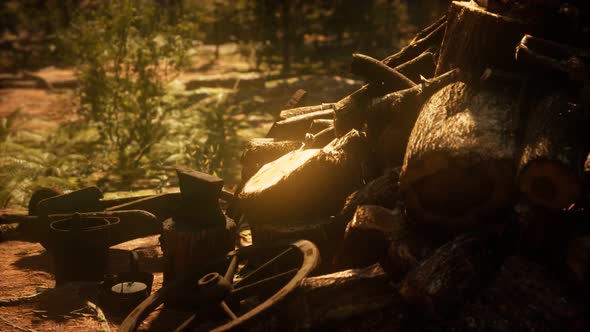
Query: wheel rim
[289, 280]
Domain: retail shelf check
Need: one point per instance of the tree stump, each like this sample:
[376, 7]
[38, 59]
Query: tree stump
[477, 39]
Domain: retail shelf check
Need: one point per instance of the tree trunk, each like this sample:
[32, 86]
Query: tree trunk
[460, 157]
[550, 166]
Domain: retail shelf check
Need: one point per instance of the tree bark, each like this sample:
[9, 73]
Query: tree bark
[381, 191]
[349, 110]
[476, 39]
[392, 117]
[294, 128]
[459, 163]
[550, 165]
[335, 297]
[448, 277]
[367, 236]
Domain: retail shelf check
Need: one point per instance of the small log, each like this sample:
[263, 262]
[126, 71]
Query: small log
[350, 109]
[336, 297]
[391, 118]
[422, 66]
[407, 248]
[523, 297]
[320, 139]
[319, 125]
[381, 191]
[555, 58]
[431, 36]
[377, 72]
[260, 151]
[162, 206]
[304, 183]
[296, 98]
[476, 39]
[294, 128]
[459, 163]
[447, 277]
[83, 200]
[291, 112]
[367, 236]
[549, 167]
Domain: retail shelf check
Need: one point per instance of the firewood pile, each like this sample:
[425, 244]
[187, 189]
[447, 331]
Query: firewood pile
[451, 191]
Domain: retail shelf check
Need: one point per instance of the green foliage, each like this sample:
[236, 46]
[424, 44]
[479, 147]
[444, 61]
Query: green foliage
[126, 51]
[23, 169]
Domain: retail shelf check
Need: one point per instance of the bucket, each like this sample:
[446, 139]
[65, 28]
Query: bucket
[80, 248]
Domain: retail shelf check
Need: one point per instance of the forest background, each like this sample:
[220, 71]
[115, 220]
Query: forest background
[118, 93]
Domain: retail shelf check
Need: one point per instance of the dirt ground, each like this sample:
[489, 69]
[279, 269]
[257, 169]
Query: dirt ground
[27, 268]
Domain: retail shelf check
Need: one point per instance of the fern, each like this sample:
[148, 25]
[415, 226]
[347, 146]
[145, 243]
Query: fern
[24, 169]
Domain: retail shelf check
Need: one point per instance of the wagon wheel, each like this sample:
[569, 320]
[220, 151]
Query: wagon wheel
[269, 275]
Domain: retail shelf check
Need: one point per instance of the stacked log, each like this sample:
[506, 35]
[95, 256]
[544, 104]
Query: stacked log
[473, 154]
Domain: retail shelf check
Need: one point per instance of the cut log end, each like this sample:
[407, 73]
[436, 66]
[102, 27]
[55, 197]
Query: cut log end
[549, 183]
[453, 195]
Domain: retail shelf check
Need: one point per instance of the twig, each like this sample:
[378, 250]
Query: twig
[374, 70]
[20, 328]
[104, 323]
[19, 300]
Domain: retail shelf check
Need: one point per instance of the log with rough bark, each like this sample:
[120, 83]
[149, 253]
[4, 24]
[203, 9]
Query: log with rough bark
[407, 248]
[381, 191]
[367, 236]
[523, 297]
[448, 277]
[391, 118]
[319, 140]
[260, 151]
[294, 128]
[550, 57]
[336, 297]
[349, 110]
[376, 72]
[305, 183]
[476, 39]
[550, 165]
[459, 163]
[319, 125]
[291, 112]
[296, 98]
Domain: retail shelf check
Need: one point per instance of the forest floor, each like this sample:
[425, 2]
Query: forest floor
[45, 100]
